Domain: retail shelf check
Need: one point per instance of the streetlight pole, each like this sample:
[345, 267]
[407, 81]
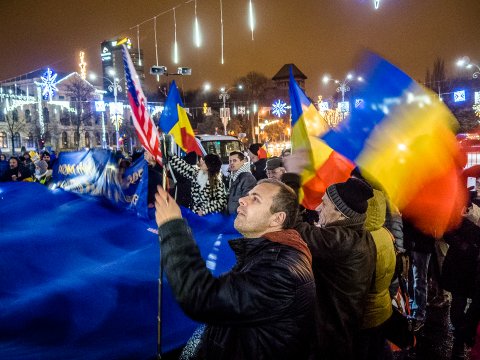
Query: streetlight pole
[466, 63]
[115, 86]
[342, 86]
[224, 96]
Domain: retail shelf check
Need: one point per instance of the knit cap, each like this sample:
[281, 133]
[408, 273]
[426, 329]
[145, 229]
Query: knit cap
[350, 197]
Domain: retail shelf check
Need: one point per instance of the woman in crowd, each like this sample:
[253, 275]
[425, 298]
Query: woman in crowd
[208, 190]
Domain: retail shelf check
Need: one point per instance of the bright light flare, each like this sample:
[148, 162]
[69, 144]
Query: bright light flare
[325, 79]
[251, 18]
[197, 37]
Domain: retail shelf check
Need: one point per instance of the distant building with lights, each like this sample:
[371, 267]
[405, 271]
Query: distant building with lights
[112, 59]
[35, 113]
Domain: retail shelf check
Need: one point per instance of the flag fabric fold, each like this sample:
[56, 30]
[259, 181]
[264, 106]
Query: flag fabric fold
[80, 277]
[174, 121]
[145, 127]
[403, 138]
[326, 166]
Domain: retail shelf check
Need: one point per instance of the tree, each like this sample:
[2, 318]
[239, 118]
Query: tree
[254, 85]
[14, 126]
[437, 78]
[81, 93]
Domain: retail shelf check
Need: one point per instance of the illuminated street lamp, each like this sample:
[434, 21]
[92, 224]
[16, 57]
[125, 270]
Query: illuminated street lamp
[342, 85]
[224, 96]
[115, 88]
[465, 62]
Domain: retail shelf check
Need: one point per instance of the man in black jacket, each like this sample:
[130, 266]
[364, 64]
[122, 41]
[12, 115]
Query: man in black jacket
[264, 307]
[344, 258]
[240, 181]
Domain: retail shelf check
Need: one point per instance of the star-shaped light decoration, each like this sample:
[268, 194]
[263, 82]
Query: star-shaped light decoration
[48, 84]
[279, 108]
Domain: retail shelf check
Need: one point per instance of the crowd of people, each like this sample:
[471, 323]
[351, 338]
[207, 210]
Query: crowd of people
[336, 298]
[308, 284]
[30, 166]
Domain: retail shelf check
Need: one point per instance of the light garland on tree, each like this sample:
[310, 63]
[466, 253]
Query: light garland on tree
[83, 66]
[175, 44]
[196, 29]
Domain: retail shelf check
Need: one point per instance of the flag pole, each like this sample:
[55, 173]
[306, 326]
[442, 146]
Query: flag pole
[160, 276]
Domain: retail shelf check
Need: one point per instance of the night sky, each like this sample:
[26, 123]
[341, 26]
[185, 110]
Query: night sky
[319, 36]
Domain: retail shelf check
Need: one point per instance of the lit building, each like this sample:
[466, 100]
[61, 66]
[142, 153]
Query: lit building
[61, 111]
[112, 66]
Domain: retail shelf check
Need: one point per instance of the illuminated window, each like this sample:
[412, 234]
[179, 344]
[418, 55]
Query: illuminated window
[3, 140]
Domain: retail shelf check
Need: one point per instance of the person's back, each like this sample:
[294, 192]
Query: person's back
[378, 306]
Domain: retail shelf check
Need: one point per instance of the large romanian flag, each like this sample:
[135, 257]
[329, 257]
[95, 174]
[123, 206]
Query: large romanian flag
[174, 121]
[402, 136]
[326, 166]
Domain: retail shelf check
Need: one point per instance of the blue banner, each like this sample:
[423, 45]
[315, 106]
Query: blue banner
[79, 277]
[95, 172]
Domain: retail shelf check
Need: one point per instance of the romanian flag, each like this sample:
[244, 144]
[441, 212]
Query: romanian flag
[403, 137]
[326, 166]
[174, 121]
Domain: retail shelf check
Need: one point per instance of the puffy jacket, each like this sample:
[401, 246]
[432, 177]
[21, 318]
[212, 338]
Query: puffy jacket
[378, 305]
[344, 256]
[262, 309]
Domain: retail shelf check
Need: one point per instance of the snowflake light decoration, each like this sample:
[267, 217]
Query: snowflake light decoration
[279, 108]
[48, 84]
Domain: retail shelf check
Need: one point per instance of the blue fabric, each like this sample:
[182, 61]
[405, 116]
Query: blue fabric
[169, 116]
[79, 277]
[386, 87]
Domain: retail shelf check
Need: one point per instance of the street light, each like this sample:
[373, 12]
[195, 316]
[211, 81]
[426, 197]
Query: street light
[342, 86]
[224, 95]
[465, 62]
[115, 88]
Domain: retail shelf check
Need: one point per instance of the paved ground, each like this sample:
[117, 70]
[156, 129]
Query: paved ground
[434, 341]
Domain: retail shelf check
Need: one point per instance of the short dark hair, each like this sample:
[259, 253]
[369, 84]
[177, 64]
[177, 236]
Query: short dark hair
[241, 155]
[285, 200]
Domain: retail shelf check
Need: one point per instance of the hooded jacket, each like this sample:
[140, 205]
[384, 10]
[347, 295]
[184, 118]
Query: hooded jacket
[378, 306]
[262, 309]
[343, 264]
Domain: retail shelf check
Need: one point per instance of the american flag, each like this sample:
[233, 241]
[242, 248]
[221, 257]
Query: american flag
[146, 130]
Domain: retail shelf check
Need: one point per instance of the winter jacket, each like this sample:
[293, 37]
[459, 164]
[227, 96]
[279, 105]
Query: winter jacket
[378, 306]
[258, 169]
[262, 309]
[207, 199]
[460, 264]
[240, 184]
[344, 257]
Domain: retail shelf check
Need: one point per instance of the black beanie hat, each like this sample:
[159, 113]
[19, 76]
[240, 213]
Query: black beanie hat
[254, 148]
[350, 197]
[213, 162]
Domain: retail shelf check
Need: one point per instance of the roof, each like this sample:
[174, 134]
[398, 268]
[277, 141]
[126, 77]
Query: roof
[284, 73]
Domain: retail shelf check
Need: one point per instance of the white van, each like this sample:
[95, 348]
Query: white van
[221, 145]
